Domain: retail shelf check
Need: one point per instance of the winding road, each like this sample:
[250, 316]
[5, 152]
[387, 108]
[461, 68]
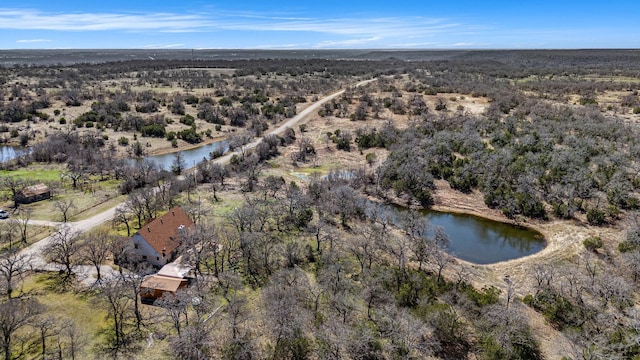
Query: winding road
[86, 273]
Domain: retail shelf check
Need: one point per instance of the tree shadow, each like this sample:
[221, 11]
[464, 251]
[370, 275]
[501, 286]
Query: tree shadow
[57, 282]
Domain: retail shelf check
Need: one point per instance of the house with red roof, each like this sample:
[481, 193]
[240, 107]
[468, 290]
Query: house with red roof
[157, 241]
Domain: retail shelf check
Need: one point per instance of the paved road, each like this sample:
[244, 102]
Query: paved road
[86, 273]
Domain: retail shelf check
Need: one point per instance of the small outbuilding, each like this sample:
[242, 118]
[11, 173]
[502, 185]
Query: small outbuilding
[33, 193]
[171, 278]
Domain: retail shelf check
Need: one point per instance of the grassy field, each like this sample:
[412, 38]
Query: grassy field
[35, 174]
[35, 233]
[77, 307]
[103, 195]
[80, 309]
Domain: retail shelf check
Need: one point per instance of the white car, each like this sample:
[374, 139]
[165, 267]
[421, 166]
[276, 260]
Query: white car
[3, 214]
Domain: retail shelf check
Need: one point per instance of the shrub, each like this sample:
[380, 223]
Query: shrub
[24, 139]
[595, 216]
[486, 296]
[370, 158]
[190, 135]
[561, 312]
[153, 130]
[587, 101]
[188, 120]
[123, 141]
[191, 99]
[636, 110]
[627, 246]
[592, 243]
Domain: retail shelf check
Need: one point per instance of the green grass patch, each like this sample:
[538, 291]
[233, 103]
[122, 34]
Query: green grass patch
[80, 307]
[34, 174]
[35, 233]
[225, 206]
[97, 207]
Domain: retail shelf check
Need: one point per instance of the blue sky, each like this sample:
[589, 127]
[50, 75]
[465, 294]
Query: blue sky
[390, 24]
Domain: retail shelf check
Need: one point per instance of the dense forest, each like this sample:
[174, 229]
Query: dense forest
[318, 267]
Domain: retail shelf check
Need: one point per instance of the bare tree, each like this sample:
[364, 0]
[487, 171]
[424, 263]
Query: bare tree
[176, 307]
[135, 205]
[95, 250]
[114, 295]
[417, 227]
[439, 256]
[63, 249]
[238, 140]
[16, 314]
[198, 245]
[8, 232]
[69, 340]
[14, 185]
[366, 246]
[217, 174]
[47, 327]
[13, 267]
[132, 280]
[285, 315]
[543, 275]
[122, 215]
[237, 315]
[64, 206]
[197, 210]
[76, 171]
[22, 222]
[122, 252]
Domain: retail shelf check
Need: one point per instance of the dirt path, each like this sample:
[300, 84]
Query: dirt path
[289, 123]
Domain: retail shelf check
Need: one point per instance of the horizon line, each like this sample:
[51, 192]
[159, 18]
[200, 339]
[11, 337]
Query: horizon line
[322, 49]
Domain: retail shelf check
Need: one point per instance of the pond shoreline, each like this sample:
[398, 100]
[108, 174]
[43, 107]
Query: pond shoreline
[473, 238]
[172, 150]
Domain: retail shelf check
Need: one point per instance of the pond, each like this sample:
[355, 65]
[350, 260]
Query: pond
[8, 152]
[483, 241]
[191, 156]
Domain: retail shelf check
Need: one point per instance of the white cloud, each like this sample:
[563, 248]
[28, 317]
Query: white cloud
[387, 27]
[37, 20]
[163, 46]
[413, 45]
[348, 42]
[281, 46]
[464, 45]
[414, 26]
[33, 40]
